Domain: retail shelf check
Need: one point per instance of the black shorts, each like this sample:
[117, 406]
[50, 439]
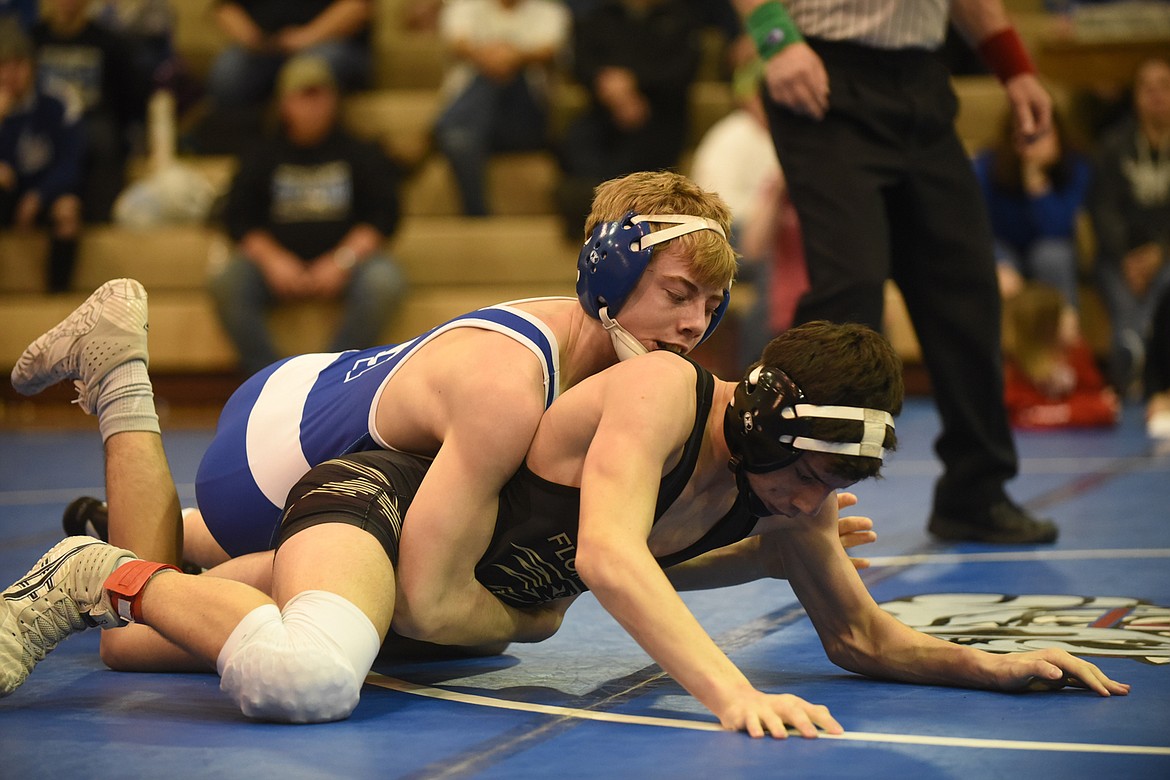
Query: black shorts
[371, 490]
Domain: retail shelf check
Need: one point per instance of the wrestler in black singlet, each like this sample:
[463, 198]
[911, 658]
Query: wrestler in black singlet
[530, 558]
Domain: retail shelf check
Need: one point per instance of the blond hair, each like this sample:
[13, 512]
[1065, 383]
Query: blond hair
[662, 192]
[1031, 334]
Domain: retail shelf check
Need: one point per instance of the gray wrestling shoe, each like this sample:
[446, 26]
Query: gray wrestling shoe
[104, 332]
[61, 595]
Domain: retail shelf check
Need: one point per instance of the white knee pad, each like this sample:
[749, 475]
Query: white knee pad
[305, 664]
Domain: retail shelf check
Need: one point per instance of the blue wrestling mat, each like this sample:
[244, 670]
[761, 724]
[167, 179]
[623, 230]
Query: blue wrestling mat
[590, 704]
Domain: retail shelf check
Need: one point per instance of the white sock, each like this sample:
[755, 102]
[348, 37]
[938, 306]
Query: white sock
[126, 401]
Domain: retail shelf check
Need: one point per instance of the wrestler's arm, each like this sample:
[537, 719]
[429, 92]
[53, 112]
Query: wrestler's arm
[861, 637]
[644, 422]
[490, 422]
[749, 560]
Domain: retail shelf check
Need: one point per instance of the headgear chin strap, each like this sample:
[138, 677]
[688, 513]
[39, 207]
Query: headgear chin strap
[624, 342]
[612, 260]
[767, 426]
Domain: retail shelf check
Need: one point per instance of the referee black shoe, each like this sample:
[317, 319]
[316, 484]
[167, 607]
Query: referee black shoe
[1003, 523]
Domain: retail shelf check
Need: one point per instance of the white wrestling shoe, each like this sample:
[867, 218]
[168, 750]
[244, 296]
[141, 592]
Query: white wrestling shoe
[61, 595]
[109, 329]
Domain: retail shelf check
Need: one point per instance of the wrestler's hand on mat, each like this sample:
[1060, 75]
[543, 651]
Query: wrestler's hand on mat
[1051, 669]
[760, 713]
[798, 81]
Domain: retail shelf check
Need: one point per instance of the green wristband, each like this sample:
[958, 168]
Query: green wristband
[772, 29]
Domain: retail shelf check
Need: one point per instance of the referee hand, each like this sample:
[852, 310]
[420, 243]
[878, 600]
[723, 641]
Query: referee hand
[797, 79]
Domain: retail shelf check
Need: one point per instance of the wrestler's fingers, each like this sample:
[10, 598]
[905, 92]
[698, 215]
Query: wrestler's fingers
[858, 538]
[775, 725]
[854, 524]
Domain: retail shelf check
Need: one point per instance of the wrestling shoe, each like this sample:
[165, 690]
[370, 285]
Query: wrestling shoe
[1003, 523]
[104, 332]
[87, 516]
[61, 595]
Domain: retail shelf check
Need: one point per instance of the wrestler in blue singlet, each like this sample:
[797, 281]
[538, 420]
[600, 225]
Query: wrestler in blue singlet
[304, 410]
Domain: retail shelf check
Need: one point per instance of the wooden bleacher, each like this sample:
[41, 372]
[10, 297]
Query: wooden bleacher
[453, 264]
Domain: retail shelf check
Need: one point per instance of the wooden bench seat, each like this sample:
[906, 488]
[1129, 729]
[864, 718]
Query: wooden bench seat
[452, 264]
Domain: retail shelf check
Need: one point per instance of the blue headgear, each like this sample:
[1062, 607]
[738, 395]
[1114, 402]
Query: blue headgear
[616, 253]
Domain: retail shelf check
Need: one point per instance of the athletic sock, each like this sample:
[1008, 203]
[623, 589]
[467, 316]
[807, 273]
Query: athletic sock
[126, 401]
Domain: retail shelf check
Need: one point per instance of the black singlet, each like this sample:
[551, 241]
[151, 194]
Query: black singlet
[530, 558]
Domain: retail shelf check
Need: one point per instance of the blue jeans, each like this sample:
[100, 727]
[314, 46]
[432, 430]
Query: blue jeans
[1052, 261]
[488, 117]
[242, 300]
[239, 77]
[1130, 318]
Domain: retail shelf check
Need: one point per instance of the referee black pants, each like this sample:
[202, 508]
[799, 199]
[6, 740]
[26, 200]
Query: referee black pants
[884, 189]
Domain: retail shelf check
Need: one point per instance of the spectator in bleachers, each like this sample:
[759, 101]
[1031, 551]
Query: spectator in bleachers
[737, 159]
[1157, 374]
[41, 149]
[1051, 379]
[1035, 192]
[638, 59]
[1130, 207]
[309, 211]
[149, 27]
[262, 35]
[24, 11]
[496, 93]
[80, 61]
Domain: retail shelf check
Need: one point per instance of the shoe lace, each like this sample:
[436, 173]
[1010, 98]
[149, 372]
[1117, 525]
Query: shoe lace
[85, 398]
[50, 627]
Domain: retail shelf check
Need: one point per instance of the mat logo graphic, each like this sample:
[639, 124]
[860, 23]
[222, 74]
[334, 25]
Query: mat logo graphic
[1113, 626]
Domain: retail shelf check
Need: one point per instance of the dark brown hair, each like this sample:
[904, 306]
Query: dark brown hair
[841, 364]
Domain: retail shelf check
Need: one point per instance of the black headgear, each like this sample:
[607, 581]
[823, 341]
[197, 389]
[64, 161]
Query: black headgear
[767, 425]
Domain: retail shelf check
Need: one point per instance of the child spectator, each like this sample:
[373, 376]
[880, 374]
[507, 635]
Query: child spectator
[1050, 377]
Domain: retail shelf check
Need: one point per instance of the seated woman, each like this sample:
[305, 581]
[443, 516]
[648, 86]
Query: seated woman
[1035, 191]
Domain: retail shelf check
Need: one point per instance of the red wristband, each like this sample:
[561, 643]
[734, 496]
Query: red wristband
[125, 586]
[1005, 54]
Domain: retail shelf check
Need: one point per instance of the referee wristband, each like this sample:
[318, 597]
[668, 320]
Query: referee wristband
[772, 29]
[1005, 54]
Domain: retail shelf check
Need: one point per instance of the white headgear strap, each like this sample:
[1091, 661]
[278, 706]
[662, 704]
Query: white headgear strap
[683, 224]
[875, 422]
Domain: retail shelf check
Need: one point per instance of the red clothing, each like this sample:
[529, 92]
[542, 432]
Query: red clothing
[789, 278]
[1089, 404]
